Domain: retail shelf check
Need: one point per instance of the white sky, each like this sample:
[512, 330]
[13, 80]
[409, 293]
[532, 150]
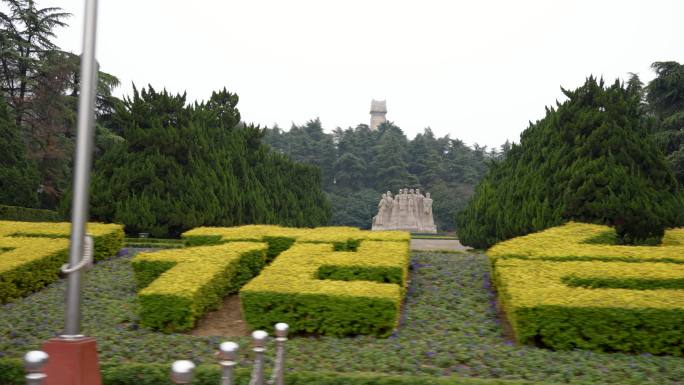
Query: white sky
[477, 70]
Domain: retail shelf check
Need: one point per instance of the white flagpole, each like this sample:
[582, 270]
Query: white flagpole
[82, 166]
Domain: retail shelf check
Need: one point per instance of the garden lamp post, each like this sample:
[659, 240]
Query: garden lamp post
[73, 357]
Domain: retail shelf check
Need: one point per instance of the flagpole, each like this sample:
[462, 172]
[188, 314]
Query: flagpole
[75, 356]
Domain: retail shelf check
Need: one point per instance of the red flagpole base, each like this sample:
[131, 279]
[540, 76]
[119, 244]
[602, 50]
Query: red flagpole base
[72, 362]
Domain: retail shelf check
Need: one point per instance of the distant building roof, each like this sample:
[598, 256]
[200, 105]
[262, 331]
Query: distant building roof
[378, 106]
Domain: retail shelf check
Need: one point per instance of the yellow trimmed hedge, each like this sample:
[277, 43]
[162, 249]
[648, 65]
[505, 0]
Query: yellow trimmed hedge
[568, 287]
[337, 235]
[582, 241]
[31, 253]
[334, 280]
[606, 306]
[177, 286]
[316, 289]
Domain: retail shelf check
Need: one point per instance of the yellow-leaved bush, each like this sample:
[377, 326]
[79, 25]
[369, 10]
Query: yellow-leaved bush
[329, 280]
[337, 235]
[178, 286]
[318, 290]
[583, 241]
[567, 287]
[31, 253]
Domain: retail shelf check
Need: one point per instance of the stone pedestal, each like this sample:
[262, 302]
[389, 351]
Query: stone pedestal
[72, 362]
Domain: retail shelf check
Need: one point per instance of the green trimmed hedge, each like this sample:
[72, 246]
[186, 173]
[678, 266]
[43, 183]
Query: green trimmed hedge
[170, 299]
[15, 213]
[601, 306]
[29, 265]
[315, 289]
[624, 283]
[32, 253]
[657, 331]
[11, 373]
[178, 286]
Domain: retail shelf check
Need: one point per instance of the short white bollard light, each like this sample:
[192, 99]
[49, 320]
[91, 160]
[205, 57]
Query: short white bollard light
[278, 377]
[34, 361]
[181, 371]
[259, 338]
[228, 359]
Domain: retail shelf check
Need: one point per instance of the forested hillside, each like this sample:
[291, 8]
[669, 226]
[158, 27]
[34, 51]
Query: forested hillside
[358, 164]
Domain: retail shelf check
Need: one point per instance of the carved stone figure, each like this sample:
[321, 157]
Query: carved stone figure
[403, 210]
[389, 203]
[419, 206]
[411, 221]
[427, 213]
[427, 205]
[409, 210]
[379, 220]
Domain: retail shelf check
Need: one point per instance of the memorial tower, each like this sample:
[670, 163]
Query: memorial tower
[378, 112]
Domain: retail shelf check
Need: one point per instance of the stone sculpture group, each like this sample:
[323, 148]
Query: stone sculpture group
[409, 210]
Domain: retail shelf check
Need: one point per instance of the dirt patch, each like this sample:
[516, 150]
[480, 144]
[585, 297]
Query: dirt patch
[508, 333]
[227, 321]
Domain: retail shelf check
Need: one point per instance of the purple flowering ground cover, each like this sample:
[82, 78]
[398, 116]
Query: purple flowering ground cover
[449, 327]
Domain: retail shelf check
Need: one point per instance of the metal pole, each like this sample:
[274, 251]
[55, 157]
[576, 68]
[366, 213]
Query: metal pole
[278, 377]
[82, 165]
[34, 361]
[181, 372]
[259, 347]
[228, 360]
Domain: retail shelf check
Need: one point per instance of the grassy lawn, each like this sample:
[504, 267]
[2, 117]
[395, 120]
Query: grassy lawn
[449, 327]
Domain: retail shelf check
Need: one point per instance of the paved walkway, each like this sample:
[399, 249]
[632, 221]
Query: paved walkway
[437, 244]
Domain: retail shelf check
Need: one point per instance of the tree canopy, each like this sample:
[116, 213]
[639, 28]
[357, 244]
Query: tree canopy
[590, 159]
[18, 175]
[40, 84]
[666, 101]
[359, 164]
[181, 166]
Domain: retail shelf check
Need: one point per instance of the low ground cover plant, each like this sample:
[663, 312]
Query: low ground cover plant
[449, 329]
[568, 287]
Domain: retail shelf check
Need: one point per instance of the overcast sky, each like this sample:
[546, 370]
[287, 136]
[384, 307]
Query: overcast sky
[476, 70]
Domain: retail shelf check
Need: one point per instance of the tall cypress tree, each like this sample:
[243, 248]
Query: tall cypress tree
[591, 160]
[666, 100]
[184, 166]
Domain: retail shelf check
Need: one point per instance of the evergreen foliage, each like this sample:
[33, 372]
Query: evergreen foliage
[40, 84]
[666, 101]
[182, 166]
[591, 160]
[359, 164]
[18, 175]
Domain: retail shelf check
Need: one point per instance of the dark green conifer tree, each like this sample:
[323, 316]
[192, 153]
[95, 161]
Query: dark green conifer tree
[591, 159]
[182, 166]
[666, 101]
[19, 180]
